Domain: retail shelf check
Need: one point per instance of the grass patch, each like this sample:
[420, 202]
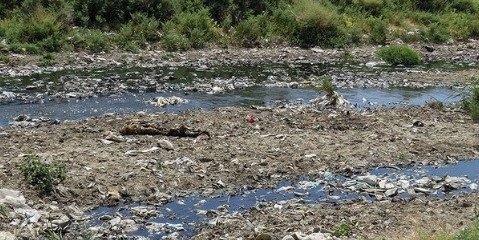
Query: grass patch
[469, 233]
[470, 103]
[318, 25]
[342, 229]
[5, 59]
[189, 30]
[92, 40]
[400, 55]
[140, 31]
[327, 86]
[3, 211]
[47, 60]
[42, 175]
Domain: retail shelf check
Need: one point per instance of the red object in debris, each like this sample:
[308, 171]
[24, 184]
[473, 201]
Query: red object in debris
[250, 119]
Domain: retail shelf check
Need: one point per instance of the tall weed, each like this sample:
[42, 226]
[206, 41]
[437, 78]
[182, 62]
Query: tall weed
[193, 29]
[317, 25]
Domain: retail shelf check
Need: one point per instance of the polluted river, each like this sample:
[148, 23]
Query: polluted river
[251, 151]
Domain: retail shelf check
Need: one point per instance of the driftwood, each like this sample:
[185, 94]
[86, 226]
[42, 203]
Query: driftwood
[152, 129]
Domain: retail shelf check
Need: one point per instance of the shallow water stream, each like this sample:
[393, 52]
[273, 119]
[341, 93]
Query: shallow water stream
[181, 214]
[73, 95]
[75, 109]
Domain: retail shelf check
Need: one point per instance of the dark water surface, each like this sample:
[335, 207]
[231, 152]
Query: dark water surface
[75, 109]
[188, 211]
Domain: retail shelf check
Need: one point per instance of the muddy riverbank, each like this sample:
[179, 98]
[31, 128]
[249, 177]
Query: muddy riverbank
[228, 149]
[105, 167]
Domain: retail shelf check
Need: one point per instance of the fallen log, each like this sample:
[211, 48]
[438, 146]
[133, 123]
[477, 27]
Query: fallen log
[152, 129]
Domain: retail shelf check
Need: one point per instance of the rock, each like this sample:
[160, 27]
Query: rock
[473, 186]
[7, 236]
[9, 94]
[12, 198]
[181, 161]
[309, 157]
[165, 144]
[215, 90]
[114, 222]
[424, 182]
[369, 179]
[263, 236]
[391, 192]
[317, 50]
[129, 225]
[106, 142]
[383, 184]
[115, 138]
[72, 95]
[113, 194]
[21, 118]
[312, 236]
[422, 190]
[328, 176]
[404, 184]
[372, 64]
[417, 123]
[429, 48]
[61, 222]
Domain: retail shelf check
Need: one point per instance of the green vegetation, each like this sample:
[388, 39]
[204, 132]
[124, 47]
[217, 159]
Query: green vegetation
[469, 233]
[399, 55]
[470, 103]
[3, 211]
[47, 60]
[42, 175]
[34, 27]
[327, 87]
[342, 229]
[403, 157]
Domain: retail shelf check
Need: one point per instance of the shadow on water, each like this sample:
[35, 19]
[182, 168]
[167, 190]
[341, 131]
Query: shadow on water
[181, 214]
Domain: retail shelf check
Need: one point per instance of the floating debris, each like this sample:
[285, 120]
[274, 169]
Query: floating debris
[165, 101]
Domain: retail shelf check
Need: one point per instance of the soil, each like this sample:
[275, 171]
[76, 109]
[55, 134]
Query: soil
[255, 148]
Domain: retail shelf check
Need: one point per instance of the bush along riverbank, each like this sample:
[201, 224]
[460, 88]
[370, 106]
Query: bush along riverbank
[37, 27]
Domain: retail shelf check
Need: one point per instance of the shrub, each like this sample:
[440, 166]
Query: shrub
[42, 27]
[470, 103]
[112, 13]
[438, 33]
[139, 31]
[93, 40]
[371, 7]
[29, 48]
[173, 41]
[252, 32]
[317, 25]
[5, 59]
[195, 29]
[328, 87]
[430, 5]
[42, 175]
[47, 60]
[399, 55]
[379, 31]
[342, 229]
